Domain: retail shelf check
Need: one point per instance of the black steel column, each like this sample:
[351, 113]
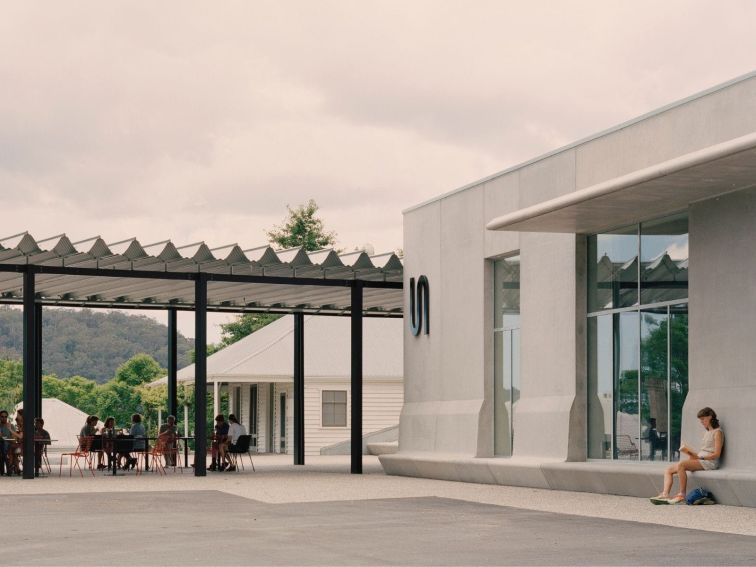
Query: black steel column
[357, 377]
[299, 438]
[172, 363]
[200, 375]
[38, 356]
[30, 371]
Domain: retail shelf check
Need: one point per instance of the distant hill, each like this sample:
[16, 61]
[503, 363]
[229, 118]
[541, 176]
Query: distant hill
[90, 343]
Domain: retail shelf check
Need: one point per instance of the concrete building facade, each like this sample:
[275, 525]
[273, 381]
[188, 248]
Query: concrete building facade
[585, 304]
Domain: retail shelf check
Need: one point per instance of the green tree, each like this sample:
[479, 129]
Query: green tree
[245, 325]
[11, 383]
[302, 228]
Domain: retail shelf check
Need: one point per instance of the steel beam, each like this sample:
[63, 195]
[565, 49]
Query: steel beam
[299, 409]
[38, 355]
[172, 362]
[357, 377]
[200, 376]
[30, 372]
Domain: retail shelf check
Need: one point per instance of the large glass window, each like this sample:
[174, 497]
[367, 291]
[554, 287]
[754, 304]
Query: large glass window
[506, 351]
[637, 340]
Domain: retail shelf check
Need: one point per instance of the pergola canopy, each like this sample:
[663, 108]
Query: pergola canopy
[127, 273]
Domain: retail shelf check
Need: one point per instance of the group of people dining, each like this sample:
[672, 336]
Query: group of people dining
[11, 443]
[124, 459]
[225, 436]
[223, 443]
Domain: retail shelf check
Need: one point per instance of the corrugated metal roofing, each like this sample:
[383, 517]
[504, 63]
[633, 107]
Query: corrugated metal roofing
[127, 273]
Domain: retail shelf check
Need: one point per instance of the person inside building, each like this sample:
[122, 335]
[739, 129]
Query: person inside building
[706, 459]
[41, 441]
[235, 430]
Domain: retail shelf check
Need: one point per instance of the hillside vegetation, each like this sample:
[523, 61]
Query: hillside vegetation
[90, 343]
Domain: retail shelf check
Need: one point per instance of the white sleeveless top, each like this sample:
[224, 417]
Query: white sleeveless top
[707, 447]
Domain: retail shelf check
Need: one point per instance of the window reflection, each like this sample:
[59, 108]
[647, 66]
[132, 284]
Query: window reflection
[637, 357]
[654, 400]
[600, 387]
[627, 424]
[506, 351]
[664, 260]
[613, 269]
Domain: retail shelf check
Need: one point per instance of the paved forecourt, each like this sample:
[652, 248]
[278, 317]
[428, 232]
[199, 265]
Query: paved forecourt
[320, 515]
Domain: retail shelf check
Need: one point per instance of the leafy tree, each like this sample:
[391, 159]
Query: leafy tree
[11, 383]
[89, 342]
[139, 370]
[302, 228]
[245, 325]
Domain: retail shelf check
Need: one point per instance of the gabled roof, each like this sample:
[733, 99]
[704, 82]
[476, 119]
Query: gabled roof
[267, 355]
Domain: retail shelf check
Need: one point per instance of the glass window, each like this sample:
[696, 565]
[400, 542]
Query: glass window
[638, 352]
[253, 414]
[613, 269]
[506, 351]
[678, 372]
[627, 424]
[600, 387]
[654, 387]
[334, 408]
[664, 260]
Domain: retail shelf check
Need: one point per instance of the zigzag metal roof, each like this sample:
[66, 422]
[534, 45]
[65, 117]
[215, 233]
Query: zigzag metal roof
[159, 275]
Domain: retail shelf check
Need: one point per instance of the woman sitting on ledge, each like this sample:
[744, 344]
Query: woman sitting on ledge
[707, 459]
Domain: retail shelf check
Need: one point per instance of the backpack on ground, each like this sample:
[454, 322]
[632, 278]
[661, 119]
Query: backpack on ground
[700, 496]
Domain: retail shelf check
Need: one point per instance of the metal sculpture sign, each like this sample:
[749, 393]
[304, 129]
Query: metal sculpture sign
[419, 301]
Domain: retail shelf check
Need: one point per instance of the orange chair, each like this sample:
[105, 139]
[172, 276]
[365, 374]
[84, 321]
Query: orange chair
[82, 452]
[156, 453]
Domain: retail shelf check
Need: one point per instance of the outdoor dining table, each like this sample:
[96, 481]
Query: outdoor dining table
[125, 444]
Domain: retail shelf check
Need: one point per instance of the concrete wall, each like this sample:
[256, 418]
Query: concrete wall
[722, 323]
[449, 373]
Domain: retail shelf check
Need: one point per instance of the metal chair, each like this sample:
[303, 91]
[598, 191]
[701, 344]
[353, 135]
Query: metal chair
[239, 448]
[81, 452]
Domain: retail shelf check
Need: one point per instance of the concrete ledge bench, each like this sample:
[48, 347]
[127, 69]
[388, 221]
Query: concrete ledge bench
[733, 487]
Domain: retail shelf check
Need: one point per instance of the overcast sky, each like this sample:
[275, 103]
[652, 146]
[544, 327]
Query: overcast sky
[202, 120]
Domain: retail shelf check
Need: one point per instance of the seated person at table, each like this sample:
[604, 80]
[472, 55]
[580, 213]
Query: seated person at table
[221, 432]
[89, 429]
[167, 437]
[108, 433]
[41, 439]
[138, 432]
[5, 441]
[14, 447]
[235, 430]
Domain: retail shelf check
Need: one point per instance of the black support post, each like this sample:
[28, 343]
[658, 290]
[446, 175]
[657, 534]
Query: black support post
[30, 372]
[200, 375]
[357, 377]
[38, 355]
[172, 363]
[299, 438]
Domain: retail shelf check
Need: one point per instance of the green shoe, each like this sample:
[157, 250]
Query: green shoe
[656, 500]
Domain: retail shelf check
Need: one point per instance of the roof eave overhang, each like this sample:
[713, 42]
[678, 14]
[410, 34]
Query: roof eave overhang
[648, 193]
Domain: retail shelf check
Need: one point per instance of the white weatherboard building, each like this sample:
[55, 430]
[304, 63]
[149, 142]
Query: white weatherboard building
[585, 305]
[257, 372]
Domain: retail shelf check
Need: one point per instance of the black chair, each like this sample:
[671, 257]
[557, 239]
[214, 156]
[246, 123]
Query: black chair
[239, 448]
